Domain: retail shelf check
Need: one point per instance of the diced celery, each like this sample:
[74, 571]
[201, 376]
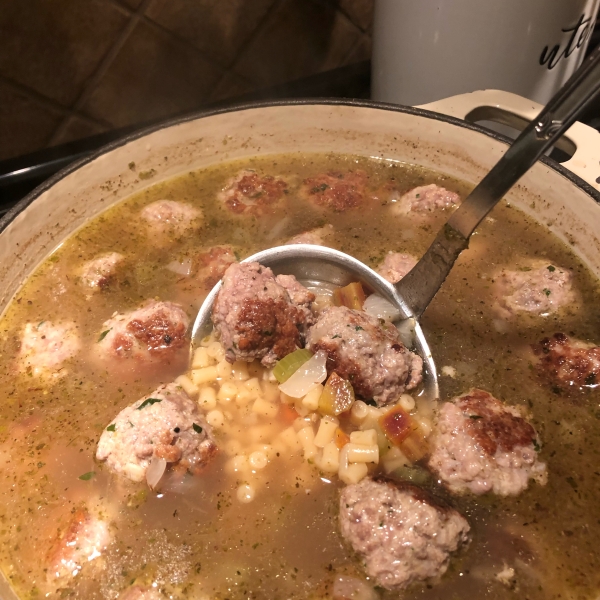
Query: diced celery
[289, 364]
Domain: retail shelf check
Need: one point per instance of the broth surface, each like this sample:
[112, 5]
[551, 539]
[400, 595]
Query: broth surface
[194, 538]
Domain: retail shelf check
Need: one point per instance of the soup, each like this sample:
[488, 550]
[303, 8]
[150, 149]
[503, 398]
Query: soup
[258, 516]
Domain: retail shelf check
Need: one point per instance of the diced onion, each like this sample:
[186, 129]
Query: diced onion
[156, 469]
[289, 364]
[181, 268]
[406, 329]
[311, 372]
[380, 308]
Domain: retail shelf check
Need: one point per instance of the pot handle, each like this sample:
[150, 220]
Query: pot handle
[581, 141]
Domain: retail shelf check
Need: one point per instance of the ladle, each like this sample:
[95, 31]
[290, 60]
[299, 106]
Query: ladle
[317, 266]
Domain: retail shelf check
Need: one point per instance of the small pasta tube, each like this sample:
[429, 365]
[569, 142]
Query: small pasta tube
[215, 418]
[358, 412]
[311, 400]
[204, 375]
[368, 437]
[201, 359]
[306, 437]
[227, 392]
[224, 369]
[189, 387]
[215, 350]
[264, 408]
[362, 454]
[207, 398]
[350, 472]
[329, 459]
[269, 391]
[407, 402]
[326, 431]
[290, 438]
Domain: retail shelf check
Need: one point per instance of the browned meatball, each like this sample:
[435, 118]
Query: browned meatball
[156, 331]
[369, 355]
[396, 265]
[210, 265]
[249, 193]
[569, 364]
[402, 533]
[426, 199]
[99, 272]
[482, 445]
[260, 317]
[83, 540]
[336, 190]
[164, 425]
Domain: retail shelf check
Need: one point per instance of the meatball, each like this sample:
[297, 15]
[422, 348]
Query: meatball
[396, 265]
[166, 424]
[167, 217]
[84, 540]
[314, 237]
[481, 445]
[259, 316]
[336, 190]
[568, 363]
[211, 264]
[97, 273]
[426, 199]
[402, 534]
[46, 346]
[537, 288]
[156, 331]
[368, 354]
[252, 194]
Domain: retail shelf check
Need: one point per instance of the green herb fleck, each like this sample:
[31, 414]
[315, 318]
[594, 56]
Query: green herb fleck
[547, 291]
[418, 195]
[551, 268]
[40, 324]
[87, 476]
[197, 428]
[335, 336]
[131, 165]
[111, 427]
[536, 446]
[359, 328]
[147, 174]
[475, 417]
[103, 335]
[149, 402]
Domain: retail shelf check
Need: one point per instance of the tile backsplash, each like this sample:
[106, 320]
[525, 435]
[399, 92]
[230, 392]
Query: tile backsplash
[73, 68]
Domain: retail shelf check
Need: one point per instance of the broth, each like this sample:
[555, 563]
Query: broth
[194, 538]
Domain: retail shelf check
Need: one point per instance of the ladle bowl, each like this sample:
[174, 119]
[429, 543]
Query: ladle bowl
[319, 267]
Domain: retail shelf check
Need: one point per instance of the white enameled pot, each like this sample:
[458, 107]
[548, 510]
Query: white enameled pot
[564, 198]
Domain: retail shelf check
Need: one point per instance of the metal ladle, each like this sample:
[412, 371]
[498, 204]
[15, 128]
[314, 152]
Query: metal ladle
[317, 266]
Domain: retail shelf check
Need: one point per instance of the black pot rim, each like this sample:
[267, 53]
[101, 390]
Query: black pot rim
[419, 112]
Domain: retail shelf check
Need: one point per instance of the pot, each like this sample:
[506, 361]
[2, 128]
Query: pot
[565, 198]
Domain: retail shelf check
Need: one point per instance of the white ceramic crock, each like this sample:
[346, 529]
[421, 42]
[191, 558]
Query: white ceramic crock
[564, 198]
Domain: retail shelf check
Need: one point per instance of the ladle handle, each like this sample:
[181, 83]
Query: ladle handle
[419, 286]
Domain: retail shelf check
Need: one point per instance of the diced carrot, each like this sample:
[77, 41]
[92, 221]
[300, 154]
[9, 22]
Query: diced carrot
[341, 438]
[287, 413]
[352, 296]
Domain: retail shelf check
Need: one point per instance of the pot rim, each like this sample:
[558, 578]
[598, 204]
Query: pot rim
[418, 112]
